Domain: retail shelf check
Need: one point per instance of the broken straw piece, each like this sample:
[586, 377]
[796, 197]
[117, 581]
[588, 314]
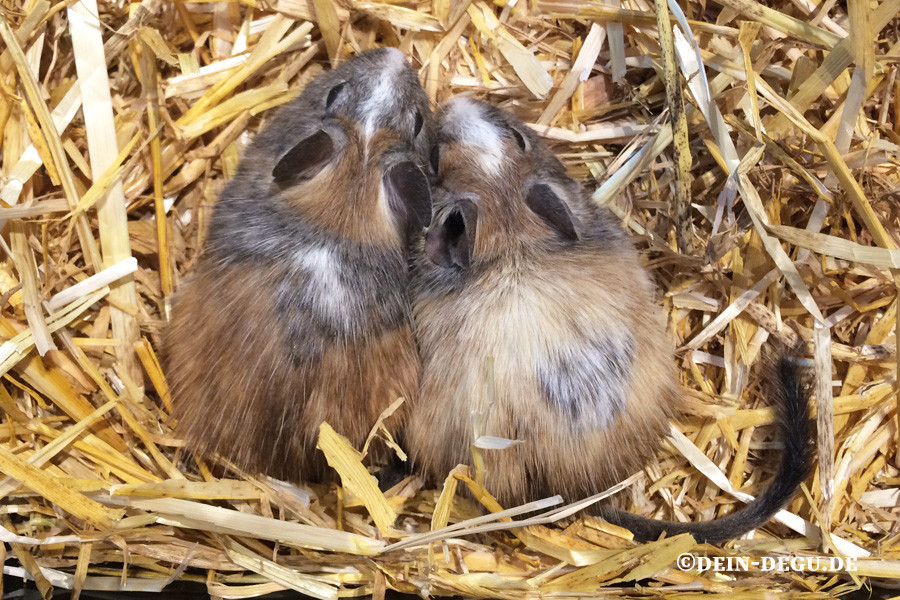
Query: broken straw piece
[93, 283]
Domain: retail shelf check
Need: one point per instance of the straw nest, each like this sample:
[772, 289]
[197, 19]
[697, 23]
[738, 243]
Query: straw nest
[752, 154]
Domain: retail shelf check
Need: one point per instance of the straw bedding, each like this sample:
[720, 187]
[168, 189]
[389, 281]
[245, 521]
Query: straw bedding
[752, 153]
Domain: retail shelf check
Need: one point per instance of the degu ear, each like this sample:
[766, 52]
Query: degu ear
[544, 201]
[408, 193]
[305, 160]
[450, 242]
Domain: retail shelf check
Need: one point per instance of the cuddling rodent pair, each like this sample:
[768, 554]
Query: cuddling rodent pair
[304, 307]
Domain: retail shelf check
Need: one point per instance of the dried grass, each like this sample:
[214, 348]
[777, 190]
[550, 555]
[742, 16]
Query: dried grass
[778, 183]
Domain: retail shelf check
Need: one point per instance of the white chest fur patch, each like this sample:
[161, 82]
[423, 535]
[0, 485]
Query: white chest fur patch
[465, 122]
[325, 288]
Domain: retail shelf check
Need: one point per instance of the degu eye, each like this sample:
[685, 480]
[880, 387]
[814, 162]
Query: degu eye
[334, 93]
[435, 158]
[417, 126]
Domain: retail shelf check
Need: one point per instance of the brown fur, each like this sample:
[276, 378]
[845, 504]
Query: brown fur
[298, 311]
[239, 394]
[526, 296]
[554, 458]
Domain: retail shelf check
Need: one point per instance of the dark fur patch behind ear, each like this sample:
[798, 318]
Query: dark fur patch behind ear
[546, 203]
[451, 241]
[304, 160]
[409, 192]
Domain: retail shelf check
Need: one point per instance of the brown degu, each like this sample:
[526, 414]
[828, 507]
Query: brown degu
[298, 310]
[536, 323]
